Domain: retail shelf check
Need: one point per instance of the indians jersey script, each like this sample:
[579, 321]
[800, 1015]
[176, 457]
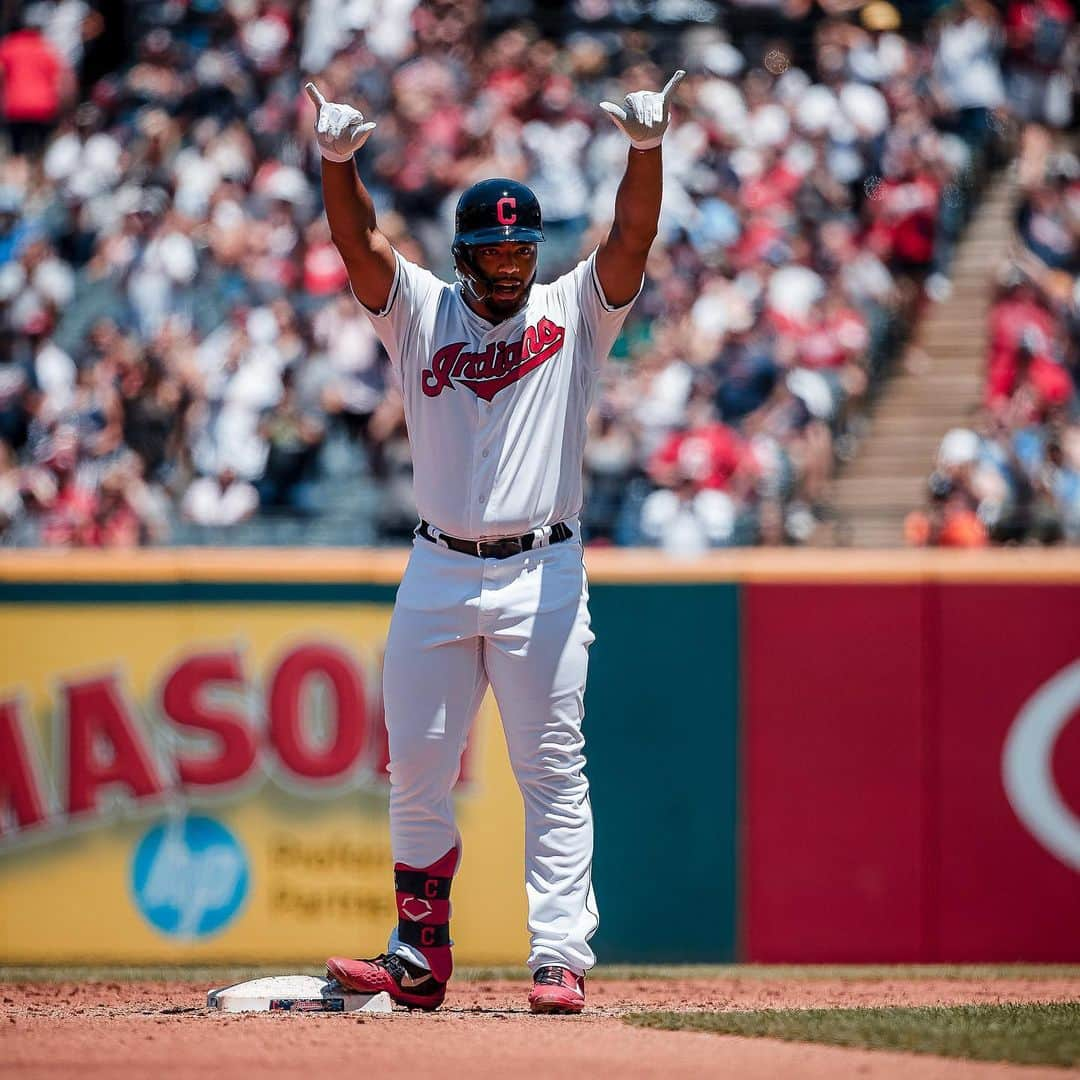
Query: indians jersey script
[496, 414]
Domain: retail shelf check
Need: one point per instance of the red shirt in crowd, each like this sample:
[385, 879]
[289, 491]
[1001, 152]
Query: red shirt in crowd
[709, 455]
[115, 524]
[777, 187]
[1039, 29]
[1010, 319]
[832, 340]
[1048, 381]
[33, 74]
[324, 272]
[69, 519]
[905, 213]
[758, 238]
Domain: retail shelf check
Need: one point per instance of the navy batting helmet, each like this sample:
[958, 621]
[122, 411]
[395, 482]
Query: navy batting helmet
[496, 211]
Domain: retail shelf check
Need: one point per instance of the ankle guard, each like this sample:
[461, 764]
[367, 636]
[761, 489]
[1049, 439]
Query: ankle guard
[423, 904]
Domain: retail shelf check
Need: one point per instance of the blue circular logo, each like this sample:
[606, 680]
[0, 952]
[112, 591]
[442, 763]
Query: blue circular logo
[189, 877]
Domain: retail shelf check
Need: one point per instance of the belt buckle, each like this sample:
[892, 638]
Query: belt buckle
[504, 548]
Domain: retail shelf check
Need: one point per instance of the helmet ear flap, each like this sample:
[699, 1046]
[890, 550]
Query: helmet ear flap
[466, 273]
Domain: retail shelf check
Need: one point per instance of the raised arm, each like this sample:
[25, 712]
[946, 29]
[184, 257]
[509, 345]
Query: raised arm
[620, 258]
[340, 131]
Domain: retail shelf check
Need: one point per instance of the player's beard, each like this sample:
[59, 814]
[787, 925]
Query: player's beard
[509, 303]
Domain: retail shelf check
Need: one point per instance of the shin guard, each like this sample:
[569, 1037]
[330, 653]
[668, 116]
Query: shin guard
[423, 905]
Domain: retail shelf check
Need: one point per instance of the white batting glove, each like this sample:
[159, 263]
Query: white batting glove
[340, 130]
[646, 116]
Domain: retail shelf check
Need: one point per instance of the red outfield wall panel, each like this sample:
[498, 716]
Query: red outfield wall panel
[1004, 892]
[834, 748]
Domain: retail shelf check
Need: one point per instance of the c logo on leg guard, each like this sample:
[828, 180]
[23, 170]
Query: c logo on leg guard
[431, 888]
[427, 935]
[421, 908]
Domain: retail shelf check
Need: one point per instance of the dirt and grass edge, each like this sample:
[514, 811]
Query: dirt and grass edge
[1031, 1033]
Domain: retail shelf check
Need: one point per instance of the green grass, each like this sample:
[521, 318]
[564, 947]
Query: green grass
[221, 974]
[1029, 1034]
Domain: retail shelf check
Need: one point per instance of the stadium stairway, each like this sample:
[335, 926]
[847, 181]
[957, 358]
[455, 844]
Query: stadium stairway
[938, 382]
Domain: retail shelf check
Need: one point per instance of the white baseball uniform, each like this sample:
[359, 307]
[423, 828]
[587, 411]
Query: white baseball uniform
[496, 417]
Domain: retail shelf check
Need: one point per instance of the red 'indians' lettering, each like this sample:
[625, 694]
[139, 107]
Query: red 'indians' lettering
[500, 364]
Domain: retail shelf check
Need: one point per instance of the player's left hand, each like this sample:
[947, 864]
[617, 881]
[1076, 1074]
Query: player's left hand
[646, 116]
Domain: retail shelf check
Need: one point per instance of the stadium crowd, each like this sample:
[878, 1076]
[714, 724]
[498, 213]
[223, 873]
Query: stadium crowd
[1012, 475]
[180, 358]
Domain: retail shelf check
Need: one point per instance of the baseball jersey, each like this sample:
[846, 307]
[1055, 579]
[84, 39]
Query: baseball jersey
[496, 413]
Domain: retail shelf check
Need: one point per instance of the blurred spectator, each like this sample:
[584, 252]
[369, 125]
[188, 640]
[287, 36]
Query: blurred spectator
[69, 507]
[967, 68]
[293, 436]
[114, 521]
[609, 467]
[1047, 223]
[685, 519]
[353, 383]
[903, 213]
[34, 84]
[11, 496]
[152, 404]
[220, 501]
[1058, 483]
[1042, 51]
[708, 454]
[950, 519]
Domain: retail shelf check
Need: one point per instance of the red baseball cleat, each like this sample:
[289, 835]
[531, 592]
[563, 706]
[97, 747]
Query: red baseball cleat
[407, 983]
[556, 989]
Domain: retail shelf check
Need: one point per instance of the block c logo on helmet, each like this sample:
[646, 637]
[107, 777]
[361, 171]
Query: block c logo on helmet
[506, 210]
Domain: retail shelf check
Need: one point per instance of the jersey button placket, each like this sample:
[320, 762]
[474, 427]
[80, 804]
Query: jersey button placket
[484, 481]
[483, 477]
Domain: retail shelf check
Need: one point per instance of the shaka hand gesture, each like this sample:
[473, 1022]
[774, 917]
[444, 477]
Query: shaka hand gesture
[340, 130]
[646, 116]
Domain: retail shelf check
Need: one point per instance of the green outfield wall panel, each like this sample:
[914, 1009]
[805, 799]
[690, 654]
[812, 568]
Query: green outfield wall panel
[661, 725]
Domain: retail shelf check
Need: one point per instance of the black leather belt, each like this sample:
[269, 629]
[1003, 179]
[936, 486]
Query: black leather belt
[502, 548]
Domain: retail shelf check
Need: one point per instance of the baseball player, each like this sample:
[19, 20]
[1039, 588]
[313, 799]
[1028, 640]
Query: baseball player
[497, 373]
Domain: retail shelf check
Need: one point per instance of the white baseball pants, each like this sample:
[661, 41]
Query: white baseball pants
[521, 625]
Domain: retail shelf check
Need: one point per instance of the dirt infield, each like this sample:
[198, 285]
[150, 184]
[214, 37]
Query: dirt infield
[110, 1029]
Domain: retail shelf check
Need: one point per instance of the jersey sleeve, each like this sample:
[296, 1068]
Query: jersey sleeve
[413, 291]
[599, 322]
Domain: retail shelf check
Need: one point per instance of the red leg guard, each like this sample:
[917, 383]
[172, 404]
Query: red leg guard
[423, 904]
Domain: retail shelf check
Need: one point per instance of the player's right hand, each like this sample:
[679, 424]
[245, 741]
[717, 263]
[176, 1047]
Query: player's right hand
[340, 130]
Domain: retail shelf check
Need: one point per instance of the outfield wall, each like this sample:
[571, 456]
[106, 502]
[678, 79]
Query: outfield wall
[795, 756]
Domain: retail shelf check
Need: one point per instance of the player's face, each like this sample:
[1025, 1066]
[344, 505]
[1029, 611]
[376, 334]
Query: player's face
[510, 268]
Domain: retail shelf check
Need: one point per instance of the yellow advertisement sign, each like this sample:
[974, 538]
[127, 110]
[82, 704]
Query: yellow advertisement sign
[189, 782]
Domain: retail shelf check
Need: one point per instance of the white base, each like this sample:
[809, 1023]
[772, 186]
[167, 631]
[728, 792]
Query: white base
[295, 993]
